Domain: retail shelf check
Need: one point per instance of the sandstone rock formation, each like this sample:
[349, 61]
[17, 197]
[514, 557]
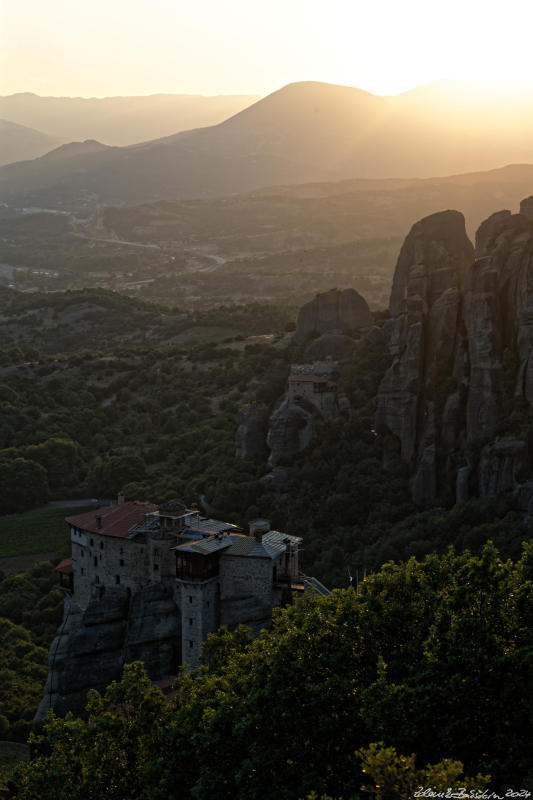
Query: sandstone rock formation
[91, 647]
[461, 333]
[336, 346]
[336, 310]
[292, 426]
[252, 432]
[424, 337]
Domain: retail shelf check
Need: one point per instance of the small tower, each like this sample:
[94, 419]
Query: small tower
[198, 584]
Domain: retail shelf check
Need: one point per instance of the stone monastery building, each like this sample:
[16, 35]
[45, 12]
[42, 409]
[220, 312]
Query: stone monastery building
[216, 574]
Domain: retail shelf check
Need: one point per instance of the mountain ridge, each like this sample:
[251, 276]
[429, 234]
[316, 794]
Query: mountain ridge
[20, 142]
[304, 132]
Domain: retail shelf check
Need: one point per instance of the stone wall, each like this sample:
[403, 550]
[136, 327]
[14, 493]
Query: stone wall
[246, 595]
[324, 401]
[108, 561]
[199, 604]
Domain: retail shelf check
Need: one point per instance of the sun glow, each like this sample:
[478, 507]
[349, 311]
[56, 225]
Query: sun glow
[243, 46]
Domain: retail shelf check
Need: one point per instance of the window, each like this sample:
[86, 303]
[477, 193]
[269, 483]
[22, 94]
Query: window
[190, 599]
[190, 620]
[191, 643]
[207, 603]
[92, 542]
[101, 545]
[156, 567]
[95, 561]
[121, 551]
[82, 571]
[97, 579]
[121, 562]
[117, 578]
[82, 554]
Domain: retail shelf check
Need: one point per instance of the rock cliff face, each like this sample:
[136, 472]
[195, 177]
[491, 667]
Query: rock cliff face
[292, 426]
[250, 440]
[335, 346]
[335, 310]
[461, 333]
[91, 647]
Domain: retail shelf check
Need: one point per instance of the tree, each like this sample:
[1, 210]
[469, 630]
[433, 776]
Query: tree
[62, 461]
[23, 485]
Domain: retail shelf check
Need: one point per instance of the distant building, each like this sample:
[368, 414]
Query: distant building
[217, 574]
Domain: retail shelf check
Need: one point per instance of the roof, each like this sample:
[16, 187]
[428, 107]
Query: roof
[116, 521]
[319, 379]
[211, 544]
[308, 378]
[173, 507]
[271, 545]
[276, 542]
[65, 566]
[207, 525]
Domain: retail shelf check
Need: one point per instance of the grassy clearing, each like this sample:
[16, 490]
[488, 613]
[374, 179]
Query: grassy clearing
[36, 531]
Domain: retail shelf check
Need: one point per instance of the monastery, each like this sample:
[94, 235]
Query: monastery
[217, 574]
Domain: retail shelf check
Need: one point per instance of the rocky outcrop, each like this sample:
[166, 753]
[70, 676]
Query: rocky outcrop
[336, 310]
[91, 647]
[425, 335]
[334, 346]
[252, 427]
[461, 336]
[435, 257]
[499, 464]
[291, 428]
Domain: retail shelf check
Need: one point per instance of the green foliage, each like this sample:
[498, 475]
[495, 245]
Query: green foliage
[33, 599]
[23, 485]
[113, 754]
[22, 676]
[394, 776]
[61, 458]
[31, 608]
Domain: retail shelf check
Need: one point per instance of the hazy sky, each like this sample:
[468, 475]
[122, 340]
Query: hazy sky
[111, 47]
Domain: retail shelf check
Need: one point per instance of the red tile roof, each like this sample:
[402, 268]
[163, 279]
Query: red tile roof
[65, 566]
[308, 378]
[115, 521]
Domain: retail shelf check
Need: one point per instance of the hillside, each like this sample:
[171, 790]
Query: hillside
[280, 244]
[119, 120]
[18, 142]
[303, 132]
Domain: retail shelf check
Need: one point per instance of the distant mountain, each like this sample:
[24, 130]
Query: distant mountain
[120, 120]
[303, 132]
[18, 143]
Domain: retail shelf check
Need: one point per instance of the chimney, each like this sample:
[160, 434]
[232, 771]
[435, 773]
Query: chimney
[120, 498]
[98, 522]
[258, 527]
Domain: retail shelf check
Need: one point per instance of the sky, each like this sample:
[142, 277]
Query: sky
[125, 47]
